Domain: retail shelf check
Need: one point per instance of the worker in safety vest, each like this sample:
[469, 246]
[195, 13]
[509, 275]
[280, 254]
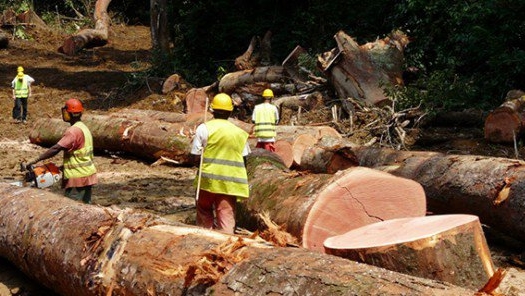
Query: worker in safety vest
[77, 143]
[266, 116]
[21, 85]
[222, 147]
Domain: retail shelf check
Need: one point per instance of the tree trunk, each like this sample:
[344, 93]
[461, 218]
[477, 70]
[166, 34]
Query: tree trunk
[507, 122]
[89, 38]
[79, 249]
[148, 139]
[231, 81]
[449, 248]
[313, 207]
[327, 160]
[160, 34]
[360, 71]
[257, 54]
[489, 187]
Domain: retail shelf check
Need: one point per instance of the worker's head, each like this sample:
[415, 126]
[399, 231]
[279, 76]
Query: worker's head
[20, 69]
[20, 75]
[72, 110]
[221, 105]
[267, 94]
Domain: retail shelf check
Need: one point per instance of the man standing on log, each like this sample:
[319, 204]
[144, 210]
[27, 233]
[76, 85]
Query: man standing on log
[21, 85]
[222, 177]
[266, 116]
[77, 143]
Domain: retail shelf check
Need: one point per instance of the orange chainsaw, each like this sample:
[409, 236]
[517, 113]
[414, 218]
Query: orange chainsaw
[41, 176]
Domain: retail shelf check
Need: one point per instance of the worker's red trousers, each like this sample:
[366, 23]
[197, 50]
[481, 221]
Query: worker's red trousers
[219, 206]
[266, 145]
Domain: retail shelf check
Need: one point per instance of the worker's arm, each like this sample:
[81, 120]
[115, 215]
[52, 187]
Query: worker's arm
[48, 154]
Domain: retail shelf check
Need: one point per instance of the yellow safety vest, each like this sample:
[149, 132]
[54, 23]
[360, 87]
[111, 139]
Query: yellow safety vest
[21, 88]
[79, 163]
[265, 121]
[223, 169]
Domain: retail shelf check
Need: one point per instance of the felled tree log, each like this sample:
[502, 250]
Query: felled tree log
[491, 188]
[449, 248]
[257, 54]
[306, 102]
[148, 139]
[89, 38]
[231, 81]
[291, 141]
[360, 71]
[313, 207]
[79, 249]
[322, 159]
[506, 123]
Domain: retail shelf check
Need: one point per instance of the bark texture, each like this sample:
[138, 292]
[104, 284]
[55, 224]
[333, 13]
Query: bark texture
[313, 207]
[231, 81]
[358, 71]
[79, 249]
[491, 188]
[449, 248]
[89, 38]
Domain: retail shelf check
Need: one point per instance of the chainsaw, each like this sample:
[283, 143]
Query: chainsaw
[41, 176]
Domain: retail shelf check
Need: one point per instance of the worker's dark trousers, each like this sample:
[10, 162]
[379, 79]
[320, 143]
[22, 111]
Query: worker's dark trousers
[20, 109]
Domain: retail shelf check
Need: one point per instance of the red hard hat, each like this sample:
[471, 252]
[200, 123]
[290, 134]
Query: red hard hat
[74, 106]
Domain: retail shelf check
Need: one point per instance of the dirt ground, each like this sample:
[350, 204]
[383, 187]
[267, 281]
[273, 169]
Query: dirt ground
[96, 77]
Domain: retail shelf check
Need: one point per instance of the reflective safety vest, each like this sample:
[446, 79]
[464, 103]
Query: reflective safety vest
[21, 88]
[265, 121]
[223, 169]
[79, 163]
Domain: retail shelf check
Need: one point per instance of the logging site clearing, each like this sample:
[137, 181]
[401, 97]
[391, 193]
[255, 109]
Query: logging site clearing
[97, 76]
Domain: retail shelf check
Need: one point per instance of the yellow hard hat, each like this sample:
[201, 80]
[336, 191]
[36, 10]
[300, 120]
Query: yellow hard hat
[267, 93]
[20, 69]
[20, 75]
[222, 101]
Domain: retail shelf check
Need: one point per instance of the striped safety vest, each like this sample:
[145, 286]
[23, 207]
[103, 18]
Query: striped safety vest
[21, 88]
[79, 163]
[223, 169]
[265, 120]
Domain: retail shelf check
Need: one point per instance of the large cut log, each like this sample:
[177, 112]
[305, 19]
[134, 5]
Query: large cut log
[147, 139]
[313, 207]
[89, 38]
[231, 81]
[79, 249]
[360, 72]
[506, 123]
[257, 54]
[449, 248]
[491, 188]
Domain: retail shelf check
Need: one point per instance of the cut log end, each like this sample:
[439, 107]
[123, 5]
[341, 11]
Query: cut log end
[450, 248]
[360, 196]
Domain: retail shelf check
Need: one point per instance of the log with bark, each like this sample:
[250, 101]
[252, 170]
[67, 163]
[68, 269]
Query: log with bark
[506, 124]
[79, 249]
[89, 38]
[360, 71]
[449, 248]
[231, 81]
[491, 188]
[313, 207]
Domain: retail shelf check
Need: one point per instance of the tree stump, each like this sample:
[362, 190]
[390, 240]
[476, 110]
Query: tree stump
[449, 248]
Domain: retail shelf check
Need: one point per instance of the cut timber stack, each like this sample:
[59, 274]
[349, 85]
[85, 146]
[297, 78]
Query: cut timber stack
[313, 207]
[449, 248]
[491, 188]
[506, 123]
[83, 250]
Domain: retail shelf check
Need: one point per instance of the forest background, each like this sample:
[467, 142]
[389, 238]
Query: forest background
[463, 54]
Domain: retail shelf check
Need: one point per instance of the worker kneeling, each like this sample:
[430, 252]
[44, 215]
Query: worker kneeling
[222, 176]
